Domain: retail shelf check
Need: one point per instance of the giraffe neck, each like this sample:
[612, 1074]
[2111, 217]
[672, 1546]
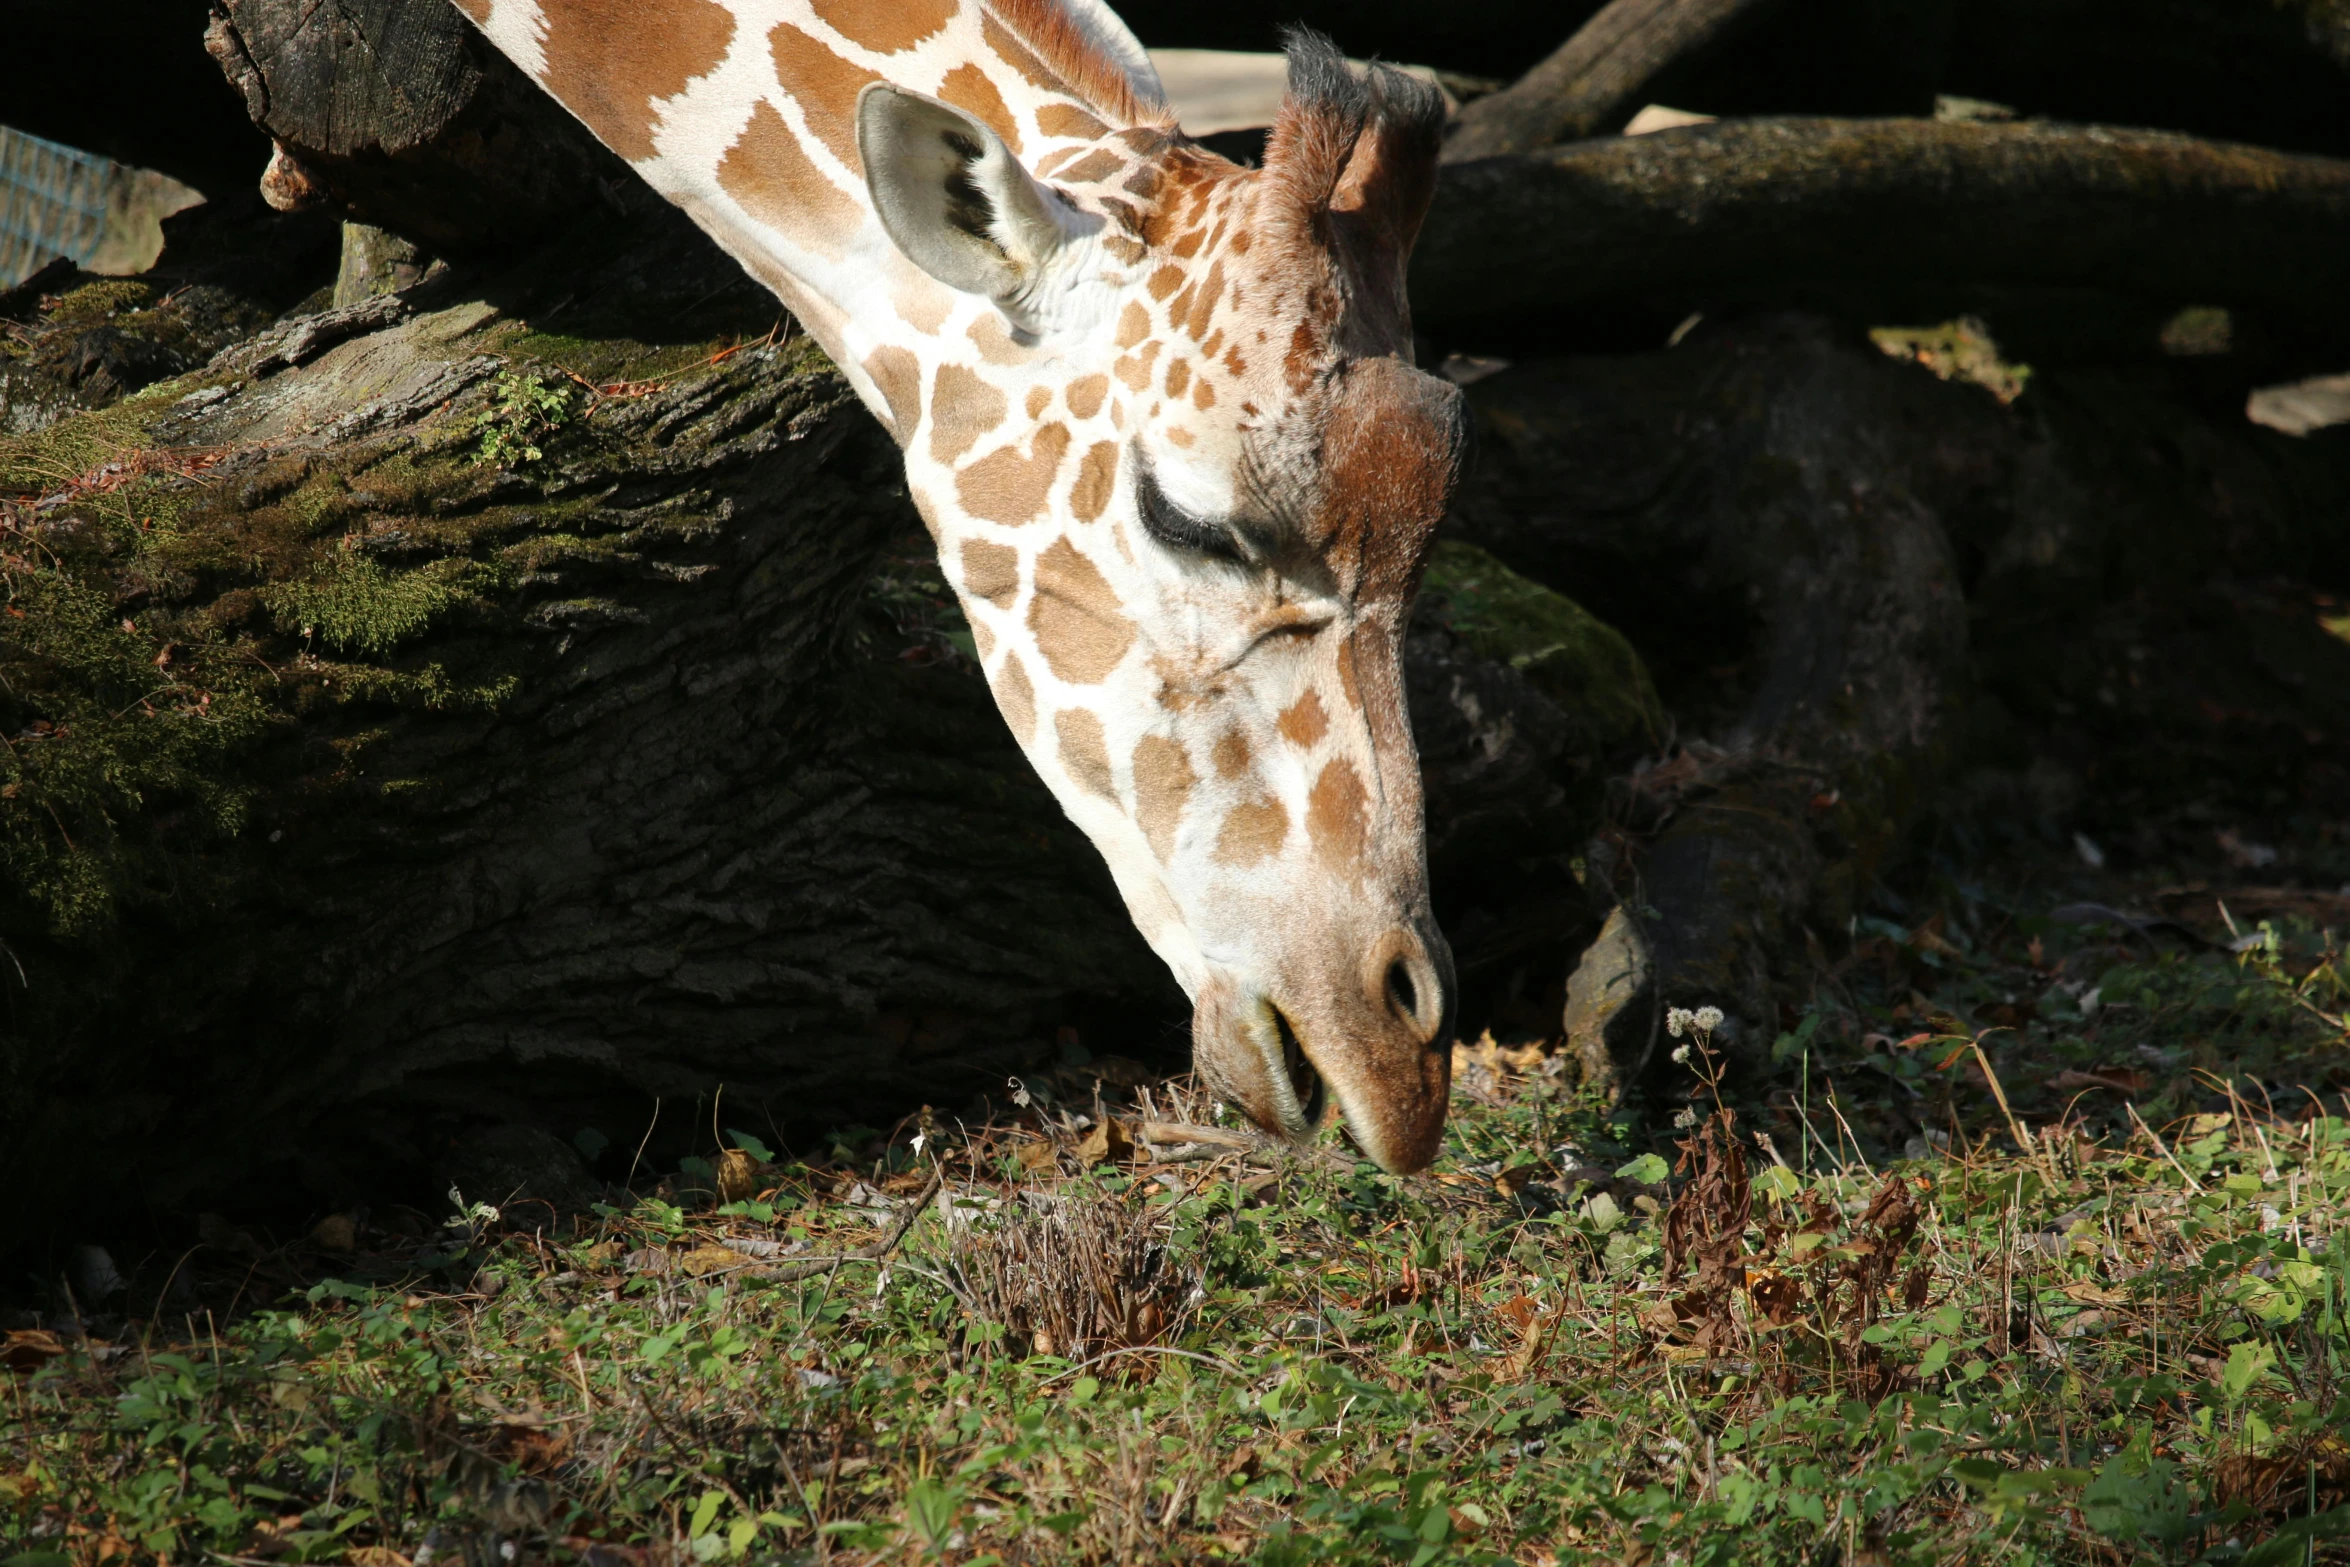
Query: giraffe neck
[742, 112]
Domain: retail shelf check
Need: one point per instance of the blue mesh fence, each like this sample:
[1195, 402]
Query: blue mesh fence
[52, 203]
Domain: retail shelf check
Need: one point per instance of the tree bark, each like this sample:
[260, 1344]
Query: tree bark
[1743, 209]
[400, 115]
[1597, 79]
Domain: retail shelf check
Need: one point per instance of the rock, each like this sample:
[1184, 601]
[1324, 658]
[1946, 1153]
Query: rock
[505, 1164]
[1613, 1012]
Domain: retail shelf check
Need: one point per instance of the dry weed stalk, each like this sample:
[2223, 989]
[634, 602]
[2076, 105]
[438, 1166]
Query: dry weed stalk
[1079, 1276]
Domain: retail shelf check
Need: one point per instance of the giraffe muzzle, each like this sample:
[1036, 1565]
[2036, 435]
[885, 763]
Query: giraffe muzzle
[1373, 1042]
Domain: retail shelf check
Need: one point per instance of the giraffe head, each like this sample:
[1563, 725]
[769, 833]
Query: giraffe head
[1184, 477]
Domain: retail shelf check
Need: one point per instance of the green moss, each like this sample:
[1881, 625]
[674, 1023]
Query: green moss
[351, 603]
[1569, 654]
[1960, 350]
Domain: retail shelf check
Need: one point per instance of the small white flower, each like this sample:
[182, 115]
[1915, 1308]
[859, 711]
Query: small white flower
[1019, 1092]
[919, 1139]
[1681, 1056]
[1685, 1120]
[1708, 1019]
[1677, 1020]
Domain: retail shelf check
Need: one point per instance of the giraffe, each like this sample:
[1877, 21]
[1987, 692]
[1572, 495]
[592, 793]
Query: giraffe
[1159, 414]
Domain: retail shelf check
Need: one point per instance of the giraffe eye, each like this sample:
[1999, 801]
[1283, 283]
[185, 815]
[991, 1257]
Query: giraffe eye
[1176, 528]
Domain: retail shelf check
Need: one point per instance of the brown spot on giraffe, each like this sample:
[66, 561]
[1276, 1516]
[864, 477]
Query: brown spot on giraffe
[1085, 756]
[1253, 831]
[994, 340]
[1015, 697]
[1165, 281]
[991, 572]
[982, 639]
[824, 85]
[1203, 305]
[1135, 369]
[1129, 251]
[1230, 757]
[1008, 488]
[1084, 395]
[607, 67]
[898, 375]
[1203, 395]
[1039, 399]
[1303, 359]
[962, 409]
[1349, 682]
[1017, 55]
[885, 26]
[1074, 615]
[1178, 376]
[1092, 168]
[968, 89]
[1066, 119]
[479, 10]
[1338, 816]
[770, 177]
[1134, 324]
[1304, 723]
[1097, 475]
[922, 308]
[1163, 782]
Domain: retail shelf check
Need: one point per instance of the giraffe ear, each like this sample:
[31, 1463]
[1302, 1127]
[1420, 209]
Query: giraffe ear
[953, 198]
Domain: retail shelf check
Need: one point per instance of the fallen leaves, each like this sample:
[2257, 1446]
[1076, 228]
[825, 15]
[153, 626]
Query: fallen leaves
[29, 1349]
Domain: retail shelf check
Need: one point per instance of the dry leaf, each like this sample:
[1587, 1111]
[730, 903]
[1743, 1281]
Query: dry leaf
[1107, 1141]
[738, 1176]
[25, 1349]
[2093, 1294]
[375, 1556]
[708, 1259]
[1037, 1158]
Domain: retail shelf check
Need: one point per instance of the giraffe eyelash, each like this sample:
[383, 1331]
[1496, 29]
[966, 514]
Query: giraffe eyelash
[1176, 528]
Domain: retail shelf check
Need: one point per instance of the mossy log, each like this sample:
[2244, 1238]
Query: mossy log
[1756, 208]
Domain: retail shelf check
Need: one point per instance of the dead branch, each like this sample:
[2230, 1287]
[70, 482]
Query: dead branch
[1748, 203]
[1598, 78]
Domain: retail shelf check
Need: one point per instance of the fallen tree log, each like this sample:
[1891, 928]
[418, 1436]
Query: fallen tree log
[1746, 209]
[398, 114]
[1597, 79]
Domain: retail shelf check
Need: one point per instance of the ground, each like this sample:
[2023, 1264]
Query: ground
[2041, 1261]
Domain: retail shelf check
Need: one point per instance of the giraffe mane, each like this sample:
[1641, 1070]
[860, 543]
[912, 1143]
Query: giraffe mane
[1061, 38]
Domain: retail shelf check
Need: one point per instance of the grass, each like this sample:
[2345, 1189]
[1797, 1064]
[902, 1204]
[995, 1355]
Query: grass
[2087, 1334]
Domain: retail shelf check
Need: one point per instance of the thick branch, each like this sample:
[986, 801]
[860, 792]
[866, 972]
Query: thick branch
[1596, 80]
[1742, 203]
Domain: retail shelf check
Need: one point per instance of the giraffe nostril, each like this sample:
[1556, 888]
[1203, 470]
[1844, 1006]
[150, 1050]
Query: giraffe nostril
[1402, 990]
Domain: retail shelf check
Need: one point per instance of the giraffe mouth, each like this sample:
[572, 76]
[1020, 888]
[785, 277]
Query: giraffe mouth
[1308, 1094]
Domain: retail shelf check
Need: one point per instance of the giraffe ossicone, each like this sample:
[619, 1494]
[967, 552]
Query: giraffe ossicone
[1159, 414]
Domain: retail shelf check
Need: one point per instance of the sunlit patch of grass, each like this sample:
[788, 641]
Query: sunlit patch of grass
[2131, 1349]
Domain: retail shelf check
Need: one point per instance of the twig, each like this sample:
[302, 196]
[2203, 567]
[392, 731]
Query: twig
[2163, 1149]
[2023, 1139]
[1218, 1361]
[809, 1267]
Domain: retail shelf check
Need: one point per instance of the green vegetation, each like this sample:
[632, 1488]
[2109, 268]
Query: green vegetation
[1571, 655]
[523, 411]
[1767, 1335]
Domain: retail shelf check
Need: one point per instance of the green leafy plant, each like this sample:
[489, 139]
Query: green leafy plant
[523, 411]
